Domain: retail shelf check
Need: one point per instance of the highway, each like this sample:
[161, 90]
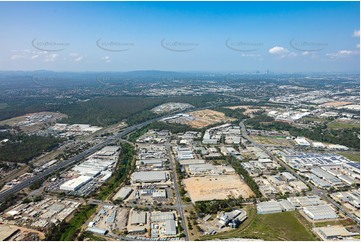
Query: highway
[315, 190]
[73, 160]
[82, 155]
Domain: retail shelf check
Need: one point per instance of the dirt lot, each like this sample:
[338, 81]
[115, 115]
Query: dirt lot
[216, 187]
[207, 117]
[335, 104]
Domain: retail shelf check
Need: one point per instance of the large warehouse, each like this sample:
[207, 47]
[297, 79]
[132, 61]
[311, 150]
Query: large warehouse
[150, 176]
[320, 212]
[75, 184]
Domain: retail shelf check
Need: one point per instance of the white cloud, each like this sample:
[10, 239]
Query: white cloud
[51, 57]
[358, 46]
[76, 57]
[356, 33]
[281, 51]
[278, 50]
[341, 54]
[106, 59]
[17, 57]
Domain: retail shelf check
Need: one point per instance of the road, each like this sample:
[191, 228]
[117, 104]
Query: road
[82, 155]
[176, 188]
[73, 160]
[317, 191]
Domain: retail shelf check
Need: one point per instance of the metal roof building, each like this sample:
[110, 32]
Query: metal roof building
[75, 184]
[334, 232]
[170, 227]
[97, 230]
[138, 218]
[149, 176]
[320, 212]
[305, 201]
[162, 216]
[123, 193]
[269, 207]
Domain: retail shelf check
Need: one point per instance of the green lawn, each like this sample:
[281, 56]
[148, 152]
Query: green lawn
[343, 125]
[354, 156]
[279, 226]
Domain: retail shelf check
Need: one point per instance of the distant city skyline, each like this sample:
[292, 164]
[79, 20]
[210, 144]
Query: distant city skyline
[180, 36]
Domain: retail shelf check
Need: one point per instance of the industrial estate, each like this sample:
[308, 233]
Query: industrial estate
[189, 173]
[105, 137]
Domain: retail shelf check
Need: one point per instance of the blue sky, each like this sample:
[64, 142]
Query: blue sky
[180, 36]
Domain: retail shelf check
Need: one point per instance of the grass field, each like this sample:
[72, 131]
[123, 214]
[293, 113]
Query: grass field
[343, 125]
[354, 156]
[343, 222]
[279, 226]
[267, 140]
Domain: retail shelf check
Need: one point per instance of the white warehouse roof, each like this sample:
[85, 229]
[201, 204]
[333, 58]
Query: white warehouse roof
[320, 212]
[74, 184]
[149, 176]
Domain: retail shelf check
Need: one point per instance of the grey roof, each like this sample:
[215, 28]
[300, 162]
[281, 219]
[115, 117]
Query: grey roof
[138, 217]
[149, 176]
[97, 230]
[170, 228]
[320, 212]
[162, 216]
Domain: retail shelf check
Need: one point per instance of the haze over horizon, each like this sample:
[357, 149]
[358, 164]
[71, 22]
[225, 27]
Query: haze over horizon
[180, 36]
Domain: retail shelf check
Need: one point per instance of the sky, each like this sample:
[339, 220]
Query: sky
[180, 36]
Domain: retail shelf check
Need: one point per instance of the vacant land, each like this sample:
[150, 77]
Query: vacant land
[343, 125]
[274, 141]
[249, 109]
[351, 155]
[216, 187]
[278, 226]
[206, 117]
[335, 104]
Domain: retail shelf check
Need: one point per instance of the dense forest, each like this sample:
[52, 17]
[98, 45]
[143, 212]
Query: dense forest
[347, 137]
[22, 148]
[100, 110]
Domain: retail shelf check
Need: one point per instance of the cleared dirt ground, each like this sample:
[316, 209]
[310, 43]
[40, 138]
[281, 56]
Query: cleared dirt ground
[216, 187]
[207, 117]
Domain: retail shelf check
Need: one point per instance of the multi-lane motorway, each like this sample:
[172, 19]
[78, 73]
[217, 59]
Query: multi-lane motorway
[315, 190]
[81, 156]
[73, 160]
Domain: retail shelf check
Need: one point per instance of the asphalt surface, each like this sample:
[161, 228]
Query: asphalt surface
[82, 155]
[317, 191]
[176, 188]
[73, 160]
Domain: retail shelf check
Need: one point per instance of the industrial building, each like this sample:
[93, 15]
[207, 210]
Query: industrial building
[163, 224]
[233, 218]
[123, 193]
[75, 184]
[320, 212]
[269, 207]
[306, 201]
[97, 230]
[274, 207]
[150, 176]
[335, 233]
